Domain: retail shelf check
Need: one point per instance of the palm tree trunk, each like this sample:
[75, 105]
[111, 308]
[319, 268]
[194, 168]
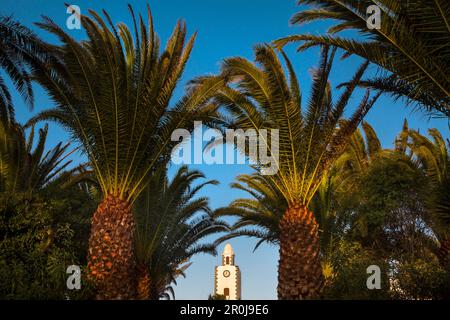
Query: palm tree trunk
[111, 250]
[155, 292]
[143, 283]
[444, 252]
[299, 271]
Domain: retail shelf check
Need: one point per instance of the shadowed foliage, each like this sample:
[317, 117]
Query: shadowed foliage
[171, 224]
[20, 51]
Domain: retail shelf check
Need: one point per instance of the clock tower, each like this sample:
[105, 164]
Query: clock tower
[228, 276]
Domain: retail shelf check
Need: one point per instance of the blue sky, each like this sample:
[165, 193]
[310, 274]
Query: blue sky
[225, 28]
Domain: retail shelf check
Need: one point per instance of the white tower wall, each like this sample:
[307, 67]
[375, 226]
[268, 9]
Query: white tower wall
[228, 276]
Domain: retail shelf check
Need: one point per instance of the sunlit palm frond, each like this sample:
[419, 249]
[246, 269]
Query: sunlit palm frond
[433, 155]
[262, 96]
[413, 44]
[112, 92]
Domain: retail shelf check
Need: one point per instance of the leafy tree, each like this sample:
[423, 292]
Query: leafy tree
[216, 297]
[388, 212]
[412, 45]
[112, 93]
[390, 189]
[421, 279]
[347, 276]
[36, 249]
[38, 240]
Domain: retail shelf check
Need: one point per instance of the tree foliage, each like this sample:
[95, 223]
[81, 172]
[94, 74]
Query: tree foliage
[113, 94]
[412, 44]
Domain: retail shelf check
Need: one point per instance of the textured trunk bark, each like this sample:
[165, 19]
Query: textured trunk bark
[444, 252]
[157, 288]
[154, 294]
[111, 250]
[299, 271]
[143, 283]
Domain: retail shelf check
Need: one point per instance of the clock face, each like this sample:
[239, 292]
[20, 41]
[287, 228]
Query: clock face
[226, 273]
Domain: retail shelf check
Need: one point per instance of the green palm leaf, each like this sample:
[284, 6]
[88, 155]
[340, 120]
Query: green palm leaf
[171, 224]
[413, 45]
[112, 93]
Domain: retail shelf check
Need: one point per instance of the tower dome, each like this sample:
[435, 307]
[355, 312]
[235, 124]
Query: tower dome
[228, 250]
[228, 276]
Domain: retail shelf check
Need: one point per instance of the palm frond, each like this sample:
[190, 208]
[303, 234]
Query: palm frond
[112, 92]
[171, 224]
[412, 45]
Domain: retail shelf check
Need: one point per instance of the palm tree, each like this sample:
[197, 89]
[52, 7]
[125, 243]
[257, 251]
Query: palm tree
[434, 157]
[112, 93]
[412, 44]
[267, 206]
[20, 51]
[170, 229]
[262, 97]
[24, 169]
[363, 151]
